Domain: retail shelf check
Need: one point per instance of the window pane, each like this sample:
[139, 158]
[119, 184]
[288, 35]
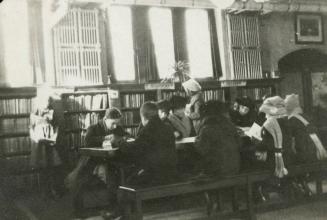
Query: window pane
[162, 35]
[122, 42]
[198, 43]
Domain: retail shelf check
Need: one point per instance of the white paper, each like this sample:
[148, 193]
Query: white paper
[186, 140]
[254, 131]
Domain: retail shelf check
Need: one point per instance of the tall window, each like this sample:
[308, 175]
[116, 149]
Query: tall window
[120, 18]
[162, 36]
[77, 48]
[198, 43]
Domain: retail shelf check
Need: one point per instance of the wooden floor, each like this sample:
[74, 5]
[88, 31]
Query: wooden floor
[38, 208]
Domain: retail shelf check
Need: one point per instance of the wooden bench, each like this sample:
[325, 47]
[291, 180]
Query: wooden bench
[131, 199]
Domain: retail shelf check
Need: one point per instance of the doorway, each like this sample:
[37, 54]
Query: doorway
[304, 72]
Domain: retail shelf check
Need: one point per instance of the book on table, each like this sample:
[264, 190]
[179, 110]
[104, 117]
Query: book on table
[254, 131]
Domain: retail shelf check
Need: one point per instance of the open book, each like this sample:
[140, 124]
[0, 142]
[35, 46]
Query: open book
[186, 140]
[254, 131]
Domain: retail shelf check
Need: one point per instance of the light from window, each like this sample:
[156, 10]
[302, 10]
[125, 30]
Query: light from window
[15, 41]
[198, 43]
[122, 42]
[162, 35]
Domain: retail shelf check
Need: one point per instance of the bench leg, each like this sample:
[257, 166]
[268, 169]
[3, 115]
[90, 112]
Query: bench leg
[138, 214]
[235, 199]
[125, 204]
[319, 186]
[250, 203]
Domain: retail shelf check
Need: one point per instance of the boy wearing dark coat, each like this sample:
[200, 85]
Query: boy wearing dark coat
[107, 129]
[153, 150]
[218, 142]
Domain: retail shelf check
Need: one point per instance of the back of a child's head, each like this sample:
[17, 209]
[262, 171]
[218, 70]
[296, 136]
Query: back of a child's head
[149, 110]
[213, 108]
[164, 105]
[177, 102]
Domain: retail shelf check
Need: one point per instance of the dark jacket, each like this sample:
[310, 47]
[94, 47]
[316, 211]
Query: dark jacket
[218, 143]
[304, 146]
[244, 120]
[267, 145]
[153, 151]
[96, 133]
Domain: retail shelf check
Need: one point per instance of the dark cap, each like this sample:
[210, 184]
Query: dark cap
[213, 108]
[246, 101]
[113, 113]
[177, 102]
[163, 105]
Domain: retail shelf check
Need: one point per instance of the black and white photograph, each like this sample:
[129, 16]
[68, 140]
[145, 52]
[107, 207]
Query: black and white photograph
[163, 109]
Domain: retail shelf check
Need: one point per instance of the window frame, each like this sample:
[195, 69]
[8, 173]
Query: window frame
[138, 78]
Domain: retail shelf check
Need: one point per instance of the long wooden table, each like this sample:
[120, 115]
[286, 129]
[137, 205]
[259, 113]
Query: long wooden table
[108, 152]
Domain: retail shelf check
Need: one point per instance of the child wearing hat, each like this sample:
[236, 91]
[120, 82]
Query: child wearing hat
[192, 110]
[307, 144]
[276, 146]
[246, 114]
[275, 149]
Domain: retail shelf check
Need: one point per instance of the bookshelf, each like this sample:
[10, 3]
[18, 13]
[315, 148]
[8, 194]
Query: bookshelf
[15, 144]
[131, 101]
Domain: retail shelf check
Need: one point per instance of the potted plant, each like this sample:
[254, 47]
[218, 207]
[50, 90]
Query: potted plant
[180, 73]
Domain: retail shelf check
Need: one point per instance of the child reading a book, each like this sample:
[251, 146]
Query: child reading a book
[90, 170]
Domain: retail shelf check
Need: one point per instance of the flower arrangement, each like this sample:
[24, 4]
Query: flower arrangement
[180, 72]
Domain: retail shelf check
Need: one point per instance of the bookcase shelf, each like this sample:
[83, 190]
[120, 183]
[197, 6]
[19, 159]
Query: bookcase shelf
[84, 111]
[8, 155]
[16, 104]
[130, 126]
[124, 109]
[17, 134]
[75, 130]
[22, 115]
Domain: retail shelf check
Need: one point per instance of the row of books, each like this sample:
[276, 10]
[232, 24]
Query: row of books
[26, 181]
[10, 125]
[133, 100]
[76, 140]
[83, 120]
[218, 94]
[254, 93]
[167, 95]
[15, 106]
[132, 131]
[131, 118]
[86, 102]
[16, 164]
[15, 145]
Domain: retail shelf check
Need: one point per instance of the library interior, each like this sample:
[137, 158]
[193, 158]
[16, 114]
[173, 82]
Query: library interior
[163, 109]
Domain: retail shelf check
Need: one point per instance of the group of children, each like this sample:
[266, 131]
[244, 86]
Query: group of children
[287, 137]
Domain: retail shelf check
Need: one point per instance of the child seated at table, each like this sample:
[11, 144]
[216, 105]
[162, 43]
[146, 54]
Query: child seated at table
[307, 143]
[182, 125]
[163, 111]
[218, 142]
[153, 153]
[88, 169]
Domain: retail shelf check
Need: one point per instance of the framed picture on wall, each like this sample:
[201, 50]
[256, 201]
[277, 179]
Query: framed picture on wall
[309, 28]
